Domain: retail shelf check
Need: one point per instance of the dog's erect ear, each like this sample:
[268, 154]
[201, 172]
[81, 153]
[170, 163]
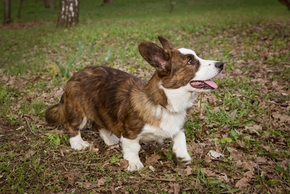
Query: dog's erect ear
[156, 56]
[165, 42]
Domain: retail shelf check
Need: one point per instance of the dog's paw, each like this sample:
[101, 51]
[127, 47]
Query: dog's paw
[184, 159]
[80, 145]
[109, 138]
[135, 165]
[130, 150]
[77, 143]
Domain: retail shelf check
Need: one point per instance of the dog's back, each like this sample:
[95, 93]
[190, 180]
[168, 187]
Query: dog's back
[101, 94]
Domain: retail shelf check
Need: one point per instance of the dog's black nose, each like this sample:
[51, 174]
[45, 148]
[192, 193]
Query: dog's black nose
[219, 65]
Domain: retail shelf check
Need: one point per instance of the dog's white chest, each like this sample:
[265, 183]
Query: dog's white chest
[170, 125]
[172, 117]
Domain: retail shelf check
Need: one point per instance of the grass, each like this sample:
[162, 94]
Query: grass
[246, 119]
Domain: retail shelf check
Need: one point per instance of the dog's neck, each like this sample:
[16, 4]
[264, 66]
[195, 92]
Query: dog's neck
[179, 100]
[152, 99]
[174, 100]
[154, 92]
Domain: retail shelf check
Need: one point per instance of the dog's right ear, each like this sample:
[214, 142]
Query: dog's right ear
[166, 44]
[156, 57]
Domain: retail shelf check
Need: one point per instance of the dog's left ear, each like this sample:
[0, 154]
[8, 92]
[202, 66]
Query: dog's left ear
[156, 56]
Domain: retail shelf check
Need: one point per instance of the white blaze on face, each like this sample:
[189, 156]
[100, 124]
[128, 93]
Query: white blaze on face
[207, 69]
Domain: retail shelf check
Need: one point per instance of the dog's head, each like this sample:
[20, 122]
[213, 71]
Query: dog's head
[178, 68]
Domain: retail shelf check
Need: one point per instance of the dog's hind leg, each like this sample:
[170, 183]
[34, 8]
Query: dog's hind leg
[75, 139]
[108, 137]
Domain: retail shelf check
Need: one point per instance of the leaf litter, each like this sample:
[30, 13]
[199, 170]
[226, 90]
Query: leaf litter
[256, 161]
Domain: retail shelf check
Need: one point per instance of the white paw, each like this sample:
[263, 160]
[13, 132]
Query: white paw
[184, 158]
[109, 138]
[160, 141]
[135, 164]
[80, 146]
[77, 143]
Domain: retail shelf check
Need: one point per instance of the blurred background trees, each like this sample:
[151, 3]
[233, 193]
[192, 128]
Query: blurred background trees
[68, 10]
[7, 12]
[68, 14]
[285, 2]
[49, 4]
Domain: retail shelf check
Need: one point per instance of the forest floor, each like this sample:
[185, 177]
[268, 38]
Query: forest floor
[246, 120]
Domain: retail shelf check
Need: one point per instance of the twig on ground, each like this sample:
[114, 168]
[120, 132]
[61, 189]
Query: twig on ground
[75, 163]
[28, 124]
[159, 179]
[283, 181]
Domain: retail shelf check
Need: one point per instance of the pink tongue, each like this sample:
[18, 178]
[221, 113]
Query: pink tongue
[211, 84]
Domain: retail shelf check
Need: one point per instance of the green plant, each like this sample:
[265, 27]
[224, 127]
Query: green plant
[116, 159]
[55, 138]
[13, 120]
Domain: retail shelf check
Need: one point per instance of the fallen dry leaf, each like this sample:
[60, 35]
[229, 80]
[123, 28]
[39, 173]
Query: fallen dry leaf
[176, 187]
[267, 148]
[28, 154]
[249, 174]
[196, 149]
[153, 158]
[223, 177]
[215, 155]
[240, 144]
[261, 160]
[283, 118]
[124, 164]
[242, 183]
[70, 178]
[236, 154]
[253, 129]
[208, 172]
[207, 158]
[101, 182]
[188, 170]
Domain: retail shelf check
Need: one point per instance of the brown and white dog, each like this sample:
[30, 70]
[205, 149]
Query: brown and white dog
[128, 110]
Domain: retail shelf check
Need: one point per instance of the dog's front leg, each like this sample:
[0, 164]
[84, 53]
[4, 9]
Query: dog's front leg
[179, 148]
[131, 148]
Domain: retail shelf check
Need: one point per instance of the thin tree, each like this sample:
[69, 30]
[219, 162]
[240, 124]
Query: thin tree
[7, 12]
[19, 9]
[68, 14]
[171, 5]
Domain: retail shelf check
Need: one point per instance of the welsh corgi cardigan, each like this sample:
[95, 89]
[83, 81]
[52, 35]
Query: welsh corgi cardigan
[128, 110]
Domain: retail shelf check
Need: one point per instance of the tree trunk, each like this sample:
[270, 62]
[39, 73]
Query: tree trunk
[7, 12]
[171, 6]
[49, 4]
[69, 13]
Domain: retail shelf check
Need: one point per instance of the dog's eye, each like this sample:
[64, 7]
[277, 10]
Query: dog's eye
[191, 62]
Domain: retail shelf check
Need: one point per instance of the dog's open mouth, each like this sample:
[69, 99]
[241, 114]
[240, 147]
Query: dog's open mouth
[207, 84]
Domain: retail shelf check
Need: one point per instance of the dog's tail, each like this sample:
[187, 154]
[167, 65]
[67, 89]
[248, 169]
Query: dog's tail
[55, 114]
